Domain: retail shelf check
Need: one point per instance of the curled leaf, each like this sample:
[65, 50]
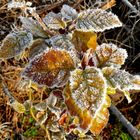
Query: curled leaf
[41, 117]
[108, 55]
[97, 20]
[68, 13]
[15, 43]
[34, 27]
[37, 47]
[86, 98]
[54, 21]
[84, 40]
[51, 68]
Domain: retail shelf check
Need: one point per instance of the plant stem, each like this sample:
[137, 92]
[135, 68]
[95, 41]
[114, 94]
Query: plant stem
[130, 128]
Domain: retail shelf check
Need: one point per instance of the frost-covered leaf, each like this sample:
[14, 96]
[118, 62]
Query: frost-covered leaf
[51, 100]
[54, 21]
[18, 107]
[15, 43]
[58, 136]
[84, 40]
[121, 79]
[108, 55]
[37, 47]
[54, 128]
[42, 106]
[97, 20]
[68, 13]
[34, 27]
[51, 68]
[41, 117]
[63, 42]
[86, 98]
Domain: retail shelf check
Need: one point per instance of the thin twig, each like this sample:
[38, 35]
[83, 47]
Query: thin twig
[126, 2]
[130, 128]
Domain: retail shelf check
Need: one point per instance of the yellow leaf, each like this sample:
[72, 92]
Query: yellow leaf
[87, 99]
[84, 40]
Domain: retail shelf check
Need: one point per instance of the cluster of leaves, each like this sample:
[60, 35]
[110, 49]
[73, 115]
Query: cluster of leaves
[71, 60]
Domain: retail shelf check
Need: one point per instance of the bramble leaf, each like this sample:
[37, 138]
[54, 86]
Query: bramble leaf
[37, 47]
[15, 43]
[64, 42]
[49, 102]
[84, 40]
[122, 80]
[86, 98]
[34, 27]
[68, 13]
[54, 21]
[97, 20]
[109, 55]
[51, 68]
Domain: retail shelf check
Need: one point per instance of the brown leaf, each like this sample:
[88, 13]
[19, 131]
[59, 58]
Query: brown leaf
[50, 68]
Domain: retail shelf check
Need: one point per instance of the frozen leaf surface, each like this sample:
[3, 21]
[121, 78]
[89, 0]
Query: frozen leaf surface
[121, 79]
[86, 98]
[34, 27]
[84, 40]
[97, 20]
[54, 21]
[15, 43]
[68, 13]
[63, 42]
[50, 68]
[108, 55]
[37, 47]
